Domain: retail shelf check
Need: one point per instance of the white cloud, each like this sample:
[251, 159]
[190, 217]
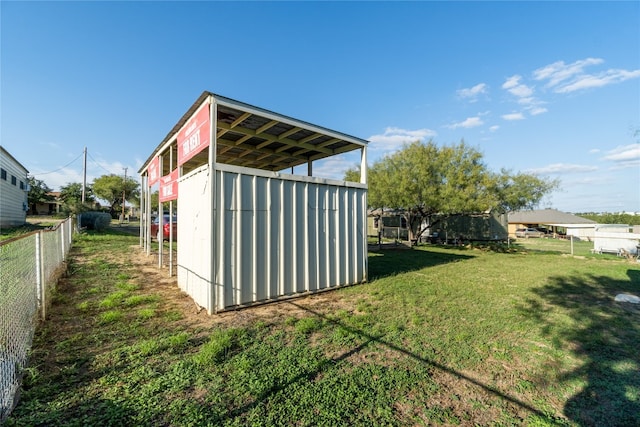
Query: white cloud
[537, 110]
[601, 79]
[333, 167]
[594, 151]
[559, 71]
[513, 86]
[393, 138]
[562, 168]
[494, 128]
[470, 122]
[625, 156]
[511, 82]
[472, 93]
[513, 116]
[566, 78]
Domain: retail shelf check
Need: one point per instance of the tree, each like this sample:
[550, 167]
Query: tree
[38, 193]
[71, 195]
[430, 183]
[110, 188]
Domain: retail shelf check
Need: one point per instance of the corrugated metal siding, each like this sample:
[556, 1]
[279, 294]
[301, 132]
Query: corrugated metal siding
[276, 236]
[13, 200]
[194, 235]
[282, 236]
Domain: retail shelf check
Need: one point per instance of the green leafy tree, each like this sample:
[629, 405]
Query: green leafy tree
[111, 187]
[38, 193]
[71, 195]
[430, 183]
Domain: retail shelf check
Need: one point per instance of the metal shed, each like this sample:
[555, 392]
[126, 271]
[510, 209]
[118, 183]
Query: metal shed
[249, 231]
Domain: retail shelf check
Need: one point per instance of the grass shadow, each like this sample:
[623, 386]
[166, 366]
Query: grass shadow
[370, 339]
[604, 335]
[394, 262]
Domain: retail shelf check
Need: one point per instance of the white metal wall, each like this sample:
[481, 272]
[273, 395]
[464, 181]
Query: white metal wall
[277, 235]
[194, 235]
[13, 202]
[612, 239]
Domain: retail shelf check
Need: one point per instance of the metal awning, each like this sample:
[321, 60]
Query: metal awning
[253, 137]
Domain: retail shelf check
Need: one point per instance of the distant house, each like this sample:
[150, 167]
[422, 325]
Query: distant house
[487, 226]
[554, 222]
[54, 206]
[13, 191]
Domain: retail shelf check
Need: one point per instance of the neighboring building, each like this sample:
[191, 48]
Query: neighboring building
[13, 191]
[616, 238]
[489, 226]
[554, 222]
[388, 224]
[483, 227]
[54, 206]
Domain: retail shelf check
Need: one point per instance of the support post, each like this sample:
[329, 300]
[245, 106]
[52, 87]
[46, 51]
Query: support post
[40, 276]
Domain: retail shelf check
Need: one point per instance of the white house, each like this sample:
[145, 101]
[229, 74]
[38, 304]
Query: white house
[13, 191]
[556, 222]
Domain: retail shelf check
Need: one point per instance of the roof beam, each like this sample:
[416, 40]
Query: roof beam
[266, 126]
[272, 138]
[232, 144]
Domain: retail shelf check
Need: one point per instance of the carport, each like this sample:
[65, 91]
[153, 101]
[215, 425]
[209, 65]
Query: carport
[249, 229]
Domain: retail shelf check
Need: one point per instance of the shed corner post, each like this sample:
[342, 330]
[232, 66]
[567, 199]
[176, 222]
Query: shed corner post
[363, 165]
[213, 147]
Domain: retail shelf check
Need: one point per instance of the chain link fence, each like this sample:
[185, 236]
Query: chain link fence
[29, 268]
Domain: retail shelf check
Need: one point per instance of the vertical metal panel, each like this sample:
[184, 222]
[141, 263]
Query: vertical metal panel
[300, 249]
[286, 234]
[274, 238]
[312, 232]
[194, 255]
[261, 246]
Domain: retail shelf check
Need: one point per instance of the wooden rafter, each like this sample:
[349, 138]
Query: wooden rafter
[278, 139]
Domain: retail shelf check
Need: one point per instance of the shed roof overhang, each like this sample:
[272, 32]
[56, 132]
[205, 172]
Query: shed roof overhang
[253, 137]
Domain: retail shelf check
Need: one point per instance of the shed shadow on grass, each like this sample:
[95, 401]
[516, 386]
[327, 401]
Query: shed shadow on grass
[370, 339]
[393, 262]
[605, 334]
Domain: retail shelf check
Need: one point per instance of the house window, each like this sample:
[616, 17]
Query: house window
[14, 180]
[3, 174]
[21, 185]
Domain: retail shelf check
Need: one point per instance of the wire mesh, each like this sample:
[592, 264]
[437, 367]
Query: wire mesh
[29, 267]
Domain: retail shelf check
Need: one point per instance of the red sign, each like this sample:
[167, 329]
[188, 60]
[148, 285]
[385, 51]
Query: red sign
[194, 136]
[169, 187]
[153, 171]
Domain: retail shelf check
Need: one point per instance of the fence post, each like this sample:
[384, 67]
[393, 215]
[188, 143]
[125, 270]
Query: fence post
[571, 238]
[40, 274]
[62, 239]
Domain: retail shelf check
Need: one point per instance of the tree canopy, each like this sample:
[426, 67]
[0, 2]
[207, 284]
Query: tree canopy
[429, 183]
[71, 195]
[110, 188]
[38, 192]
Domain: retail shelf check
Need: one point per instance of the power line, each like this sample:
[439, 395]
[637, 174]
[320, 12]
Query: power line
[98, 164]
[47, 173]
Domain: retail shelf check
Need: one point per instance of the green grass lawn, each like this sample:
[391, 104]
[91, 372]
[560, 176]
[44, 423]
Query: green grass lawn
[439, 336]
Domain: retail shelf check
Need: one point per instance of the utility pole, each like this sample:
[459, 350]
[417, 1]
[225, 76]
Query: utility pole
[84, 175]
[124, 188]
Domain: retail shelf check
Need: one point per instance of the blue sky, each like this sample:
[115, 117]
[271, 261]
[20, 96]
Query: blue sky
[551, 88]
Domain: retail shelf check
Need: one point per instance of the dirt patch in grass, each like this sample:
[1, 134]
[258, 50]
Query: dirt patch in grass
[157, 280]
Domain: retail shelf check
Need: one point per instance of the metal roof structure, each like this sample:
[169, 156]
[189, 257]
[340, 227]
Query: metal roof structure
[548, 217]
[253, 137]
